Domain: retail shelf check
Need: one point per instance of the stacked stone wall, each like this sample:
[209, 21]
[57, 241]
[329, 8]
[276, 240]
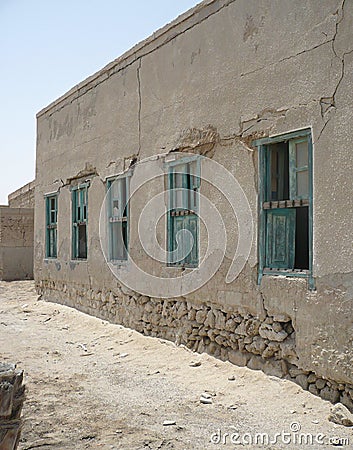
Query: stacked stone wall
[267, 343]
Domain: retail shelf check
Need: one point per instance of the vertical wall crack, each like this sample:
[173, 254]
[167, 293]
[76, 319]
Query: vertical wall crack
[139, 106]
[331, 104]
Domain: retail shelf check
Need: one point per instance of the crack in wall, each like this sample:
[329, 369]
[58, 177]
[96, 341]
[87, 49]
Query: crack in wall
[338, 23]
[285, 59]
[139, 106]
[328, 104]
[135, 57]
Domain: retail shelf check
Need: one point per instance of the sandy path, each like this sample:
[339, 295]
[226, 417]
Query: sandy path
[93, 385]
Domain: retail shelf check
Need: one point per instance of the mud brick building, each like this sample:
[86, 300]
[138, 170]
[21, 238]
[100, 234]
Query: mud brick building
[263, 89]
[16, 235]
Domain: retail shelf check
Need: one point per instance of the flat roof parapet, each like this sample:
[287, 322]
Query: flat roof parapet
[182, 23]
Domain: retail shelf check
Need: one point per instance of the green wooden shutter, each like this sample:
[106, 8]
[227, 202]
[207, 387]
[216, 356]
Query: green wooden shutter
[118, 217]
[177, 246]
[299, 168]
[191, 224]
[185, 246]
[280, 239]
[74, 223]
[183, 183]
[194, 168]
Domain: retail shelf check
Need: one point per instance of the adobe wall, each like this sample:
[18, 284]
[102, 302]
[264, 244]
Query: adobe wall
[22, 197]
[16, 243]
[221, 75]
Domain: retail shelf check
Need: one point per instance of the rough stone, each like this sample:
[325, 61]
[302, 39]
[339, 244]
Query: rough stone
[220, 321]
[313, 389]
[320, 383]
[210, 319]
[312, 378]
[182, 310]
[257, 346]
[281, 318]
[230, 325]
[329, 394]
[346, 400]
[270, 350]
[201, 316]
[241, 329]
[339, 414]
[287, 348]
[266, 331]
[295, 371]
[238, 358]
[192, 314]
[274, 368]
[256, 363]
[302, 380]
[277, 327]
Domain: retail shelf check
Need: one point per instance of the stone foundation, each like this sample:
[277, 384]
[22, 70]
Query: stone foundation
[11, 402]
[267, 344]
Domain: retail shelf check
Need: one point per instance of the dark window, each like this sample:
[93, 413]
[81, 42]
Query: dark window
[118, 219]
[79, 222]
[285, 205]
[51, 206]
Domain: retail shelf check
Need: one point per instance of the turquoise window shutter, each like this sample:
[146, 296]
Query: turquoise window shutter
[183, 184]
[280, 239]
[118, 218]
[51, 208]
[299, 169]
[192, 226]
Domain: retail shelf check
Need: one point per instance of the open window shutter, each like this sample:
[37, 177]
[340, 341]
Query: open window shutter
[280, 238]
[191, 226]
[117, 241]
[186, 245]
[75, 219]
[113, 199]
[194, 185]
[184, 182]
[121, 196]
[299, 168]
[118, 218]
[123, 191]
[178, 247]
[82, 205]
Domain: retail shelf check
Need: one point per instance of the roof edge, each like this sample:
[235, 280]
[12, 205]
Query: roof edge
[206, 7]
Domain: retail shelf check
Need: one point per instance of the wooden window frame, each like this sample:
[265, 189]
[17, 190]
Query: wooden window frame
[79, 217]
[51, 227]
[264, 204]
[120, 218]
[187, 215]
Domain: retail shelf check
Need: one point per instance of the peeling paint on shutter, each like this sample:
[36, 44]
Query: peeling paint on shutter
[280, 239]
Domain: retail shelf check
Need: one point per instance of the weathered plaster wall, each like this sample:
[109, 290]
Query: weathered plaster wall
[16, 243]
[219, 76]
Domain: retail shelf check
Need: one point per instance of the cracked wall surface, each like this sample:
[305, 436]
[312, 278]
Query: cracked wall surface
[211, 82]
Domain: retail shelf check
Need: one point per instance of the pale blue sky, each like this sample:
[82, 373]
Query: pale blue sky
[46, 48]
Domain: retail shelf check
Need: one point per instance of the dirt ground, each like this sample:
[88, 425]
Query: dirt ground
[94, 385]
